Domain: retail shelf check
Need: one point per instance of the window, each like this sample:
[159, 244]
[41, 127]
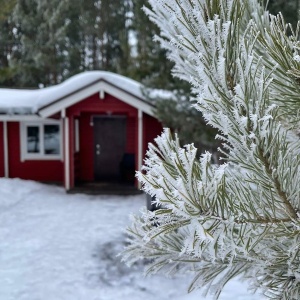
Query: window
[41, 140]
[77, 141]
[51, 139]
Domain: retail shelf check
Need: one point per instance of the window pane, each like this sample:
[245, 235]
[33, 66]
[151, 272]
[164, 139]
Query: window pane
[51, 139]
[33, 139]
[77, 135]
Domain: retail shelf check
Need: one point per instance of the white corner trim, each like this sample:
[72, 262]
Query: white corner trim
[128, 98]
[20, 118]
[101, 94]
[5, 146]
[67, 153]
[140, 143]
[95, 89]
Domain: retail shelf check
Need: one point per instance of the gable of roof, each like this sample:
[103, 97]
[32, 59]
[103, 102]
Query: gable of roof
[48, 101]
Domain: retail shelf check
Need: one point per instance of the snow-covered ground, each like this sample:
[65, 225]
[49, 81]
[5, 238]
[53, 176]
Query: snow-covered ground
[55, 246]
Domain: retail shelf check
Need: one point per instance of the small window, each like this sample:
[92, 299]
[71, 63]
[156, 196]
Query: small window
[51, 139]
[77, 141]
[33, 139]
[41, 140]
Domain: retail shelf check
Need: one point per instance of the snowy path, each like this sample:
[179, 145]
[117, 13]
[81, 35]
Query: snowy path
[63, 247]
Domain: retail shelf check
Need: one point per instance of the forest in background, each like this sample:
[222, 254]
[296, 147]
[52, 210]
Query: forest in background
[43, 43]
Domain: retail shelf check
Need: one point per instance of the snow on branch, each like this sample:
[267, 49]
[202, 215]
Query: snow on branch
[241, 217]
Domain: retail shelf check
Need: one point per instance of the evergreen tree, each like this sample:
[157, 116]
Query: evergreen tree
[61, 38]
[242, 217]
[73, 30]
[105, 31]
[289, 9]
[153, 69]
[40, 27]
[151, 66]
[7, 42]
[188, 123]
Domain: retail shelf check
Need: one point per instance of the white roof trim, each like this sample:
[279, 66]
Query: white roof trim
[17, 118]
[91, 90]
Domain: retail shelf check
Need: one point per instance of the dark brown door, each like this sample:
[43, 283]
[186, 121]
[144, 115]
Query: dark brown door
[109, 146]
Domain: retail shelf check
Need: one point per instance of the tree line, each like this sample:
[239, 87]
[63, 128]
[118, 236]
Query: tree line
[43, 43]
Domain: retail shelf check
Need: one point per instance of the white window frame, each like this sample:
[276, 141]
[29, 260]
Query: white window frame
[39, 156]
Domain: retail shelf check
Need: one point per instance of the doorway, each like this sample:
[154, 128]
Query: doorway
[109, 146]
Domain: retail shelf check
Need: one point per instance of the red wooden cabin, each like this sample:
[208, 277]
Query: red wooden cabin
[94, 126]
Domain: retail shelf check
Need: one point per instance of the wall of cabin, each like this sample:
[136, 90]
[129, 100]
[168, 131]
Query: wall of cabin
[152, 128]
[83, 161]
[39, 170]
[1, 151]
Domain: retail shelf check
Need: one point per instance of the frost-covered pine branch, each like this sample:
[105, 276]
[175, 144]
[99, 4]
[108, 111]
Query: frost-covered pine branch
[242, 217]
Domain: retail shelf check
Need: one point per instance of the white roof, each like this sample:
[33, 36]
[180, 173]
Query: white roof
[24, 101]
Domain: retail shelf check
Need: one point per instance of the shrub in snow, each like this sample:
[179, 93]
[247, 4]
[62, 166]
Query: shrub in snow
[242, 217]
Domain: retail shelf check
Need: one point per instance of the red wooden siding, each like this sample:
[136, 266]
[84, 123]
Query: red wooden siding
[40, 170]
[108, 105]
[76, 167]
[131, 124]
[152, 128]
[1, 151]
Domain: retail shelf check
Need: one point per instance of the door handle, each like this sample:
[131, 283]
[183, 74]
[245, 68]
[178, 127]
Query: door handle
[98, 149]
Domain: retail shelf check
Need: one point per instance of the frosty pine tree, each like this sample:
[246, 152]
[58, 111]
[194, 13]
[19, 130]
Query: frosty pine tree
[241, 217]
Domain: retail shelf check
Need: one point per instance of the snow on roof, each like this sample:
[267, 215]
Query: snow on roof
[155, 94]
[24, 101]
